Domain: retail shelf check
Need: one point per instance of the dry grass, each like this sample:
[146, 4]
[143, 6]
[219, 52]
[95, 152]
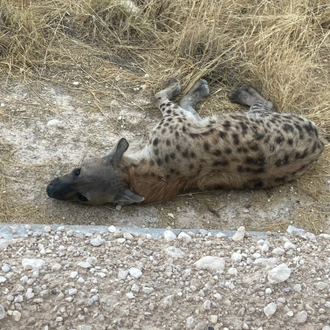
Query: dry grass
[281, 47]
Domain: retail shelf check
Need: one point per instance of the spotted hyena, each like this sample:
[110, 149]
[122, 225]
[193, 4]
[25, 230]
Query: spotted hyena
[260, 148]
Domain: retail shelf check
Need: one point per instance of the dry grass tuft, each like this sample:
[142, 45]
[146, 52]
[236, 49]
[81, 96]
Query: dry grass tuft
[281, 47]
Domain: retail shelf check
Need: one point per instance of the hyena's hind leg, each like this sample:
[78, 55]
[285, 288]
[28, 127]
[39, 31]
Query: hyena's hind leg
[247, 95]
[199, 91]
[162, 98]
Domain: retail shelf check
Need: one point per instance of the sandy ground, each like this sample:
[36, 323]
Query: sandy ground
[49, 128]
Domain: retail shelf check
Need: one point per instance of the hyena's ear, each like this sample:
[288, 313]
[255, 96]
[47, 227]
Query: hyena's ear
[128, 197]
[117, 152]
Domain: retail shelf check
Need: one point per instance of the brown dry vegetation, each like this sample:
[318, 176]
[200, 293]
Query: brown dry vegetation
[281, 47]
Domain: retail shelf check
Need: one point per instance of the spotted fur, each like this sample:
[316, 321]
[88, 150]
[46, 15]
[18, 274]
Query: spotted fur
[260, 148]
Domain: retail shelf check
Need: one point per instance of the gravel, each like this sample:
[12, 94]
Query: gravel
[61, 278]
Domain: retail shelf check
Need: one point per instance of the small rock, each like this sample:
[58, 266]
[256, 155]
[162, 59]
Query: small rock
[6, 268]
[2, 312]
[56, 267]
[270, 309]
[16, 316]
[236, 257]
[184, 236]
[135, 288]
[73, 274]
[169, 235]
[122, 274]
[47, 229]
[112, 229]
[128, 236]
[135, 272]
[32, 263]
[118, 207]
[4, 243]
[220, 235]
[174, 252]
[294, 231]
[239, 235]
[278, 251]
[130, 295]
[207, 305]
[190, 322]
[321, 286]
[2, 279]
[29, 293]
[301, 317]
[72, 291]
[279, 274]
[209, 262]
[97, 241]
[147, 289]
[213, 319]
[84, 264]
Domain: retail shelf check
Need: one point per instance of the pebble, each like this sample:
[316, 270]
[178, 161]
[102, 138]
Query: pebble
[2, 279]
[279, 274]
[135, 272]
[122, 274]
[84, 264]
[169, 235]
[2, 312]
[4, 243]
[97, 241]
[16, 316]
[209, 262]
[184, 236]
[112, 229]
[56, 267]
[239, 235]
[6, 268]
[73, 274]
[174, 252]
[29, 294]
[236, 257]
[270, 309]
[32, 263]
[301, 317]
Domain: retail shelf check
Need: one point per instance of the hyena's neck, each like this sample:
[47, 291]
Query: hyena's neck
[145, 177]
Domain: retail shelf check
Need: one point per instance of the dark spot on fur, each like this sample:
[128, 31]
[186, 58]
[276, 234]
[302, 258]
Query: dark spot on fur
[228, 151]
[163, 131]
[168, 142]
[283, 161]
[227, 125]
[168, 111]
[288, 128]
[258, 136]
[163, 104]
[155, 142]
[216, 152]
[192, 155]
[172, 155]
[223, 135]
[290, 141]
[242, 149]
[185, 153]
[177, 135]
[309, 128]
[166, 124]
[191, 166]
[183, 129]
[178, 148]
[156, 152]
[258, 184]
[220, 163]
[254, 147]
[167, 158]
[159, 162]
[193, 135]
[168, 104]
[151, 162]
[279, 140]
[206, 146]
[170, 119]
[255, 161]
[244, 127]
[235, 138]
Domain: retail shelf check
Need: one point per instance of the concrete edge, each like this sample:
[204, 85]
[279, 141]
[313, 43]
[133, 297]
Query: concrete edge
[11, 231]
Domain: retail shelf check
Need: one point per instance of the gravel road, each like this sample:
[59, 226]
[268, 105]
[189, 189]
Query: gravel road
[115, 279]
